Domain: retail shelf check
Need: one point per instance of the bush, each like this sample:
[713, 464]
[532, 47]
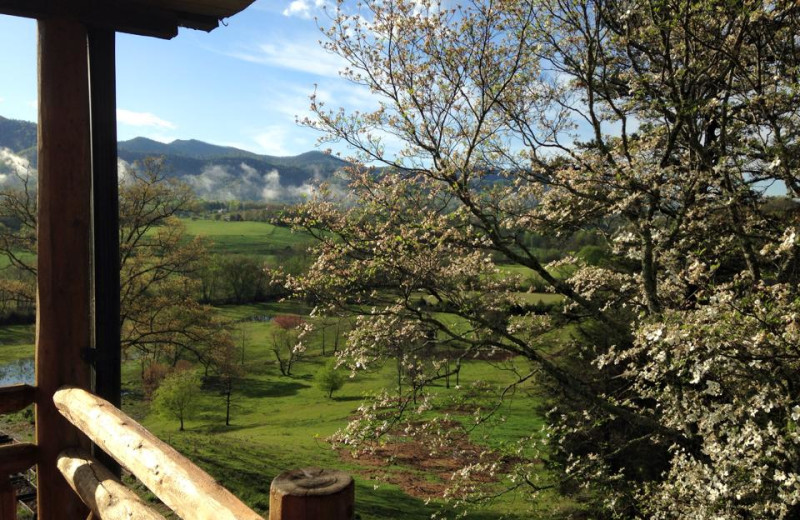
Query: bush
[329, 379]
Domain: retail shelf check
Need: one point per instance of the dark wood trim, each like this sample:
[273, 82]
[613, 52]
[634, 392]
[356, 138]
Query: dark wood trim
[8, 499]
[144, 20]
[63, 323]
[15, 458]
[105, 223]
[14, 398]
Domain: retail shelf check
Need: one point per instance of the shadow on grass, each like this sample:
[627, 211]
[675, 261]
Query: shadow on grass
[220, 427]
[17, 334]
[390, 502]
[257, 388]
[347, 399]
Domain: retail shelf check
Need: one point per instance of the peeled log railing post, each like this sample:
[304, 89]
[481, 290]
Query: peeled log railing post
[312, 494]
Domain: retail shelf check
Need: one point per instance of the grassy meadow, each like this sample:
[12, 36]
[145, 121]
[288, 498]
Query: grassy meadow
[282, 422]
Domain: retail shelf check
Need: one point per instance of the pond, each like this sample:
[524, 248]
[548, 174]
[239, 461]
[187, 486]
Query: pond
[16, 372]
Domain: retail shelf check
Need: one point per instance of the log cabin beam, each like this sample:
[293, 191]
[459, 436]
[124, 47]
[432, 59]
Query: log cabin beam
[64, 248]
[14, 398]
[15, 458]
[106, 496]
[140, 19]
[186, 489]
[105, 223]
[8, 499]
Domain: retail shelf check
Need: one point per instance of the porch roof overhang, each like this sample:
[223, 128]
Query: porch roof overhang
[157, 18]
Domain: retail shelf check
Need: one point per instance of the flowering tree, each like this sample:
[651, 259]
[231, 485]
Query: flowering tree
[658, 126]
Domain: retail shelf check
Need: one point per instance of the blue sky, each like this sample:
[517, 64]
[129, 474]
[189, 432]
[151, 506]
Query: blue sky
[240, 85]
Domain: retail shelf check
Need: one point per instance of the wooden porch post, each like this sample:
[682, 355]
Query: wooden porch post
[105, 222]
[63, 310]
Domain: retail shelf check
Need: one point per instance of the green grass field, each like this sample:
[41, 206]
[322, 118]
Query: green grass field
[16, 342]
[281, 422]
[247, 238]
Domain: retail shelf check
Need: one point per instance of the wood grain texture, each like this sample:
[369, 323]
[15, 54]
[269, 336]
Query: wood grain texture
[312, 494]
[8, 499]
[14, 398]
[186, 489]
[63, 260]
[15, 458]
[106, 496]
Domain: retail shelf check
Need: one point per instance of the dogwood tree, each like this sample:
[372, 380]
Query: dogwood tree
[666, 128]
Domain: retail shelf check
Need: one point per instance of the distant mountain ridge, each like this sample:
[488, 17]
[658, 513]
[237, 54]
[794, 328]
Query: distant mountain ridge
[18, 136]
[215, 172]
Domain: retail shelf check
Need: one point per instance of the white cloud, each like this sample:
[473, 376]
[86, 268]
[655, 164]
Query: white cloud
[302, 8]
[298, 8]
[272, 186]
[16, 164]
[272, 141]
[296, 55]
[131, 118]
[2, 99]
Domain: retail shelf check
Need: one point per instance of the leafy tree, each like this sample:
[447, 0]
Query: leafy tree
[654, 125]
[243, 276]
[177, 395]
[159, 315]
[329, 379]
[286, 344]
[229, 369]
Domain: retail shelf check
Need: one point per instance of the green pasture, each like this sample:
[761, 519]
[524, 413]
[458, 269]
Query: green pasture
[281, 422]
[16, 342]
[246, 238]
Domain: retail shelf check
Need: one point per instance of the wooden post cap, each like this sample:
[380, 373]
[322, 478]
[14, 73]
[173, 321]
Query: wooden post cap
[312, 493]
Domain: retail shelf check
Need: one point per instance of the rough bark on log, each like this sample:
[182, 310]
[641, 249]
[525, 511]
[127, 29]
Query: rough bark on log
[312, 494]
[183, 487]
[107, 497]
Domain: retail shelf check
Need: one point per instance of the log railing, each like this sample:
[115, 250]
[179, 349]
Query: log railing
[306, 494]
[175, 480]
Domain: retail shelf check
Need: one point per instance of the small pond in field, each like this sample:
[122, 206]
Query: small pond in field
[16, 372]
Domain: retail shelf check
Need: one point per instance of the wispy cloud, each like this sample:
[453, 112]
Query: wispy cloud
[302, 8]
[296, 55]
[272, 141]
[226, 182]
[131, 118]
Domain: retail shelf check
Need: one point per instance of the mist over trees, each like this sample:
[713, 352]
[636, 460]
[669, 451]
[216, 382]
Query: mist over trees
[672, 370]
[160, 317]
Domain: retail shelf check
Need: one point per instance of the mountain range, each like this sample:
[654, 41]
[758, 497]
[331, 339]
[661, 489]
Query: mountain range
[215, 172]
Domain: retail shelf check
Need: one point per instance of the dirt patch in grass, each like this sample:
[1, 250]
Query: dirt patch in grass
[421, 471]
